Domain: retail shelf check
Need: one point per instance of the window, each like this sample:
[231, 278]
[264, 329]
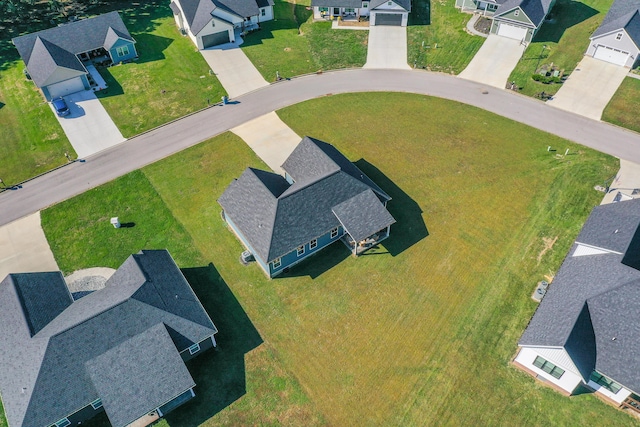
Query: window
[324, 9]
[516, 13]
[548, 367]
[300, 250]
[389, 3]
[349, 10]
[334, 233]
[263, 12]
[365, 5]
[277, 263]
[618, 36]
[313, 244]
[605, 382]
[122, 51]
[213, 23]
[96, 404]
[62, 423]
[194, 348]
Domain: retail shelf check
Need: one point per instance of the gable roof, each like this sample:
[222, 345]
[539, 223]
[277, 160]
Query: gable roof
[363, 215]
[198, 13]
[276, 217]
[623, 15]
[592, 297]
[405, 4]
[137, 297]
[536, 10]
[45, 50]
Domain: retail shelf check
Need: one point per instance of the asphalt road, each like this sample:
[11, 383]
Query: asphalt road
[116, 161]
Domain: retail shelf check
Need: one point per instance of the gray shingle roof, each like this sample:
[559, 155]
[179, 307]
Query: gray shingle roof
[197, 13]
[276, 217]
[62, 44]
[137, 297]
[536, 10]
[406, 4]
[242, 8]
[337, 3]
[623, 14]
[363, 215]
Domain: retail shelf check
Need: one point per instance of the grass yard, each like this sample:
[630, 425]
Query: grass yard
[623, 107]
[439, 23]
[419, 331]
[169, 80]
[566, 38]
[293, 44]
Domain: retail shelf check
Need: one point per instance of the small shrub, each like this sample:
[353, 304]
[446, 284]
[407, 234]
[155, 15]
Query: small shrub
[546, 79]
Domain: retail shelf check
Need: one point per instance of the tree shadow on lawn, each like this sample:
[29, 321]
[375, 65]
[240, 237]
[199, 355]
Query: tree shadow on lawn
[409, 228]
[565, 14]
[151, 47]
[219, 373]
[420, 13]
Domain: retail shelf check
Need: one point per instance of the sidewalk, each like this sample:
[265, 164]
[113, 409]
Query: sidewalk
[625, 184]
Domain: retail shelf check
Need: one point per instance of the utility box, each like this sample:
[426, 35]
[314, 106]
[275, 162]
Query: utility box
[115, 222]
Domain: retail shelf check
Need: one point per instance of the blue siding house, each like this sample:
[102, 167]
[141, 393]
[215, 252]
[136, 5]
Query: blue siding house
[60, 60]
[322, 198]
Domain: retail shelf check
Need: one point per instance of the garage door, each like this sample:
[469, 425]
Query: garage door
[389, 19]
[215, 39]
[512, 31]
[615, 56]
[66, 87]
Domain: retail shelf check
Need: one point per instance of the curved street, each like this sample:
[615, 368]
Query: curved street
[147, 148]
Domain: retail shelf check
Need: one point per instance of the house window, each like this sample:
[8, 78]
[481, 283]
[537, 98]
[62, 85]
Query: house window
[618, 36]
[516, 13]
[122, 51]
[605, 382]
[389, 3]
[62, 423]
[213, 23]
[349, 10]
[96, 404]
[300, 250]
[194, 348]
[324, 9]
[277, 263]
[365, 5]
[548, 367]
[313, 244]
[263, 12]
[334, 233]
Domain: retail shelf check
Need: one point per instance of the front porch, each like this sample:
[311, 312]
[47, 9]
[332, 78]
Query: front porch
[98, 57]
[341, 14]
[358, 247]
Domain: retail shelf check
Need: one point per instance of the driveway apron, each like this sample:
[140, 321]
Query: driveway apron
[24, 248]
[88, 127]
[589, 88]
[494, 62]
[234, 70]
[387, 47]
[270, 138]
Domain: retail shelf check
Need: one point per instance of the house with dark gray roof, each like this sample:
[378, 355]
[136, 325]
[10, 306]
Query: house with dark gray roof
[213, 22]
[60, 60]
[617, 39]
[322, 198]
[379, 12]
[584, 332]
[520, 19]
[121, 349]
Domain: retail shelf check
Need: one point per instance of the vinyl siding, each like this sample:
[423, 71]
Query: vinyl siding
[511, 16]
[625, 44]
[569, 380]
[121, 43]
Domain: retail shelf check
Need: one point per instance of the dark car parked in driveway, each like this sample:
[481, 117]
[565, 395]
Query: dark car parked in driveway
[62, 109]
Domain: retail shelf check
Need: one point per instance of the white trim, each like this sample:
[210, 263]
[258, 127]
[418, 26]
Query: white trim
[300, 250]
[313, 244]
[193, 349]
[96, 404]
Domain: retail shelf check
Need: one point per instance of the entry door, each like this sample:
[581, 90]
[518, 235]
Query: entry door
[336, 11]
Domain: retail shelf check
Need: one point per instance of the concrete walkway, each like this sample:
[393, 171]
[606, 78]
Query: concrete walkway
[270, 138]
[89, 127]
[234, 70]
[495, 60]
[24, 248]
[471, 29]
[387, 47]
[625, 185]
[589, 87]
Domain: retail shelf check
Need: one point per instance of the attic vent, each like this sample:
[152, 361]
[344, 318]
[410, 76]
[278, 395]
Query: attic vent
[616, 232]
[613, 339]
[24, 390]
[176, 296]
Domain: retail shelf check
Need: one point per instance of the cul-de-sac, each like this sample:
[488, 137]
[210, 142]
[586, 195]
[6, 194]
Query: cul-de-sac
[319, 213]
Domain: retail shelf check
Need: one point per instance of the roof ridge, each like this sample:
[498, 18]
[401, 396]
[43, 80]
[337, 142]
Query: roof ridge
[311, 182]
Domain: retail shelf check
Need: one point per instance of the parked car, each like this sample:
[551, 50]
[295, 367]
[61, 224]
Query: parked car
[61, 107]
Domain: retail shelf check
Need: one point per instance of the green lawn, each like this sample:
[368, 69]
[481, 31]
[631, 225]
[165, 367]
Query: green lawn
[421, 330]
[566, 38]
[293, 44]
[623, 107]
[436, 37]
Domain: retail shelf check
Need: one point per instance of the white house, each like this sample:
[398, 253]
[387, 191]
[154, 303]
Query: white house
[213, 22]
[584, 333]
[617, 39]
[380, 12]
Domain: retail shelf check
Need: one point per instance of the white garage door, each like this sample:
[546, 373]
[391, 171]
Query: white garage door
[512, 31]
[615, 56]
[66, 87]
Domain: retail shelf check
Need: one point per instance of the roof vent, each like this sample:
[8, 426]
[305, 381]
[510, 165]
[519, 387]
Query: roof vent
[24, 390]
[616, 232]
[613, 339]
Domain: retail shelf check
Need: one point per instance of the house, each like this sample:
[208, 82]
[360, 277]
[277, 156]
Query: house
[60, 60]
[380, 12]
[213, 22]
[120, 349]
[584, 332]
[617, 39]
[322, 198]
[486, 7]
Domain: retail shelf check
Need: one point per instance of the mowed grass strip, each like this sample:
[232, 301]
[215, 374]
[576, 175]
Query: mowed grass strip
[421, 330]
[437, 39]
[623, 107]
[170, 79]
[566, 37]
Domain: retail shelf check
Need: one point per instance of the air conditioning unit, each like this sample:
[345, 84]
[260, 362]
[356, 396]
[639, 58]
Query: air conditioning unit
[246, 257]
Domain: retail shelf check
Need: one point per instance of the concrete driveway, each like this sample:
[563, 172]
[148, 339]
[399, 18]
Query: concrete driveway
[589, 88]
[494, 62]
[387, 47]
[88, 127]
[24, 248]
[234, 70]
[270, 138]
